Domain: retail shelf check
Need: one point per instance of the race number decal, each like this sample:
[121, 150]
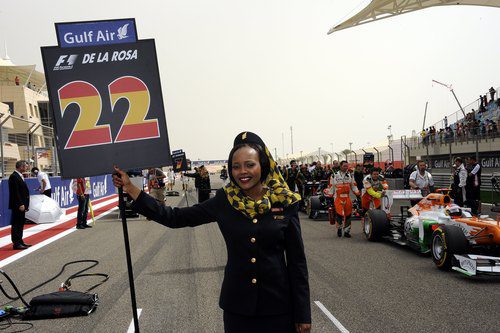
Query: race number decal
[86, 132]
[107, 107]
[135, 126]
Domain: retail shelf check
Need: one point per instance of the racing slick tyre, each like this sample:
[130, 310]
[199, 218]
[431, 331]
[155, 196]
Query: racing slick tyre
[376, 224]
[447, 240]
[313, 207]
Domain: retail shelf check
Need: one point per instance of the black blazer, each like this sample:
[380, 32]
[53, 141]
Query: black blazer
[266, 270]
[18, 192]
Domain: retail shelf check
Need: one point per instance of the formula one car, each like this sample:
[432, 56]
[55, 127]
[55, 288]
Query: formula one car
[317, 205]
[312, 189]
[455, 239]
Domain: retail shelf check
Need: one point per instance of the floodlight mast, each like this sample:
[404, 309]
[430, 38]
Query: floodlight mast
[451, 89]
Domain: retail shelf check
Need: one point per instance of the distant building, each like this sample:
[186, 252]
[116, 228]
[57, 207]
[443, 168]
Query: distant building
[26, 131]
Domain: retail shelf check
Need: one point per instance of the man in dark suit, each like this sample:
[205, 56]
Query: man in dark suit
[19, 201]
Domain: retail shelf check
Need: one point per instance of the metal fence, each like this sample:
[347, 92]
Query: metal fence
[24, 139]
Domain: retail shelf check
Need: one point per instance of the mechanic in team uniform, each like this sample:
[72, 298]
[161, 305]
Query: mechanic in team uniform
[342, 184]
[265, 287]
[374, 188]
[421, 179]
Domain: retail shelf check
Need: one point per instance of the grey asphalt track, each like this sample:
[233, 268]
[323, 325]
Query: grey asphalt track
[367, 287]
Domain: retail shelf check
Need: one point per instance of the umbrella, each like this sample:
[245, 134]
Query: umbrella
[43, 209]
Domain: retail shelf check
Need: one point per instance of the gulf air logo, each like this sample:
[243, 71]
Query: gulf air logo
[86, 132]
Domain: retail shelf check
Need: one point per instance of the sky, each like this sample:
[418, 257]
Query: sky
[267, 65]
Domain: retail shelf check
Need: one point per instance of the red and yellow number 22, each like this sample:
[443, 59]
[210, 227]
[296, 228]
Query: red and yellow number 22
[87, 133]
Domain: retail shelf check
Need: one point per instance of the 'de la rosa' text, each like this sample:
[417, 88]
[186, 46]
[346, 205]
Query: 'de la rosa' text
[123, 55]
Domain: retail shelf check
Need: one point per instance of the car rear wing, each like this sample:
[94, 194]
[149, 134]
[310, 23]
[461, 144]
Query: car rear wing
[391, 195]
[405, 194]
[472, 264]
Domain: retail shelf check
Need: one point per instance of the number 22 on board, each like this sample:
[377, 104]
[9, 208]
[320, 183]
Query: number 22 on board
[87, 133]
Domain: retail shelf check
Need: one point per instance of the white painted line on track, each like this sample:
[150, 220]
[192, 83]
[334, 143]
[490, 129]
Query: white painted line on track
[131, 328]
[331, 317]
[35, 247]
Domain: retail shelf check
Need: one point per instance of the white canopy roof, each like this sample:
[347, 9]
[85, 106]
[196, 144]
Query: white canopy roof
[381, 9]
[9, 71]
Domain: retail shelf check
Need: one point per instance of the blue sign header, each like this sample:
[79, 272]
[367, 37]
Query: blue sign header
[96, 33]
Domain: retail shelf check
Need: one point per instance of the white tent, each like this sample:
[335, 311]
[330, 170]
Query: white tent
[28, 73]
[381, 9]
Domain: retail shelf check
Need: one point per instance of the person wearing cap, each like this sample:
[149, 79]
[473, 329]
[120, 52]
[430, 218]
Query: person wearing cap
[265, 287]
[45, 187]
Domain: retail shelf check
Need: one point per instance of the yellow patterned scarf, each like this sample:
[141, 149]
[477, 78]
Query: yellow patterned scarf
[277, 192]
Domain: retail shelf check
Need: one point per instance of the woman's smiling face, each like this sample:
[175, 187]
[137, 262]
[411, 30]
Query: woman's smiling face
[246, 170]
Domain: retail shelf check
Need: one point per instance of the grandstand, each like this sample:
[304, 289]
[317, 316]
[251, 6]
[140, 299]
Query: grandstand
[476, 134]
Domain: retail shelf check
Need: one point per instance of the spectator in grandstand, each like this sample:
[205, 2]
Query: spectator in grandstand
[473, 186]
[421, 179]
[265, 287]
[459, 182]
[492, 93]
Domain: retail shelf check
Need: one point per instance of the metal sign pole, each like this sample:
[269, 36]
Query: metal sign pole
[121, 205]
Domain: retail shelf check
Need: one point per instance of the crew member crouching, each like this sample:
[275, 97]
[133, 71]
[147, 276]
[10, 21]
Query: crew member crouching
[374, 188]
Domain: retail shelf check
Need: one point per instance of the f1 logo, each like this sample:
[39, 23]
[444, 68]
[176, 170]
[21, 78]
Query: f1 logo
[65, 62]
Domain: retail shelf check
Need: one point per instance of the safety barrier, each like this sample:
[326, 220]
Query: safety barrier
[101, 186]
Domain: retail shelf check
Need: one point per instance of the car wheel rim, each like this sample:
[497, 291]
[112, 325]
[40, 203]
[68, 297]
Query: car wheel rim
[368, 226]
[437, 247]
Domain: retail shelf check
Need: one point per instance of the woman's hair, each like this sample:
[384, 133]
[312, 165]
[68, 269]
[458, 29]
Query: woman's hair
[265, 165]
[203, 171]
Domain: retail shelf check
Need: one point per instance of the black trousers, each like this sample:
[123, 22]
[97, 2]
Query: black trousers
[236, 323]
[17, 226]
[83, 210]
[473, 197]
[203, 195]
